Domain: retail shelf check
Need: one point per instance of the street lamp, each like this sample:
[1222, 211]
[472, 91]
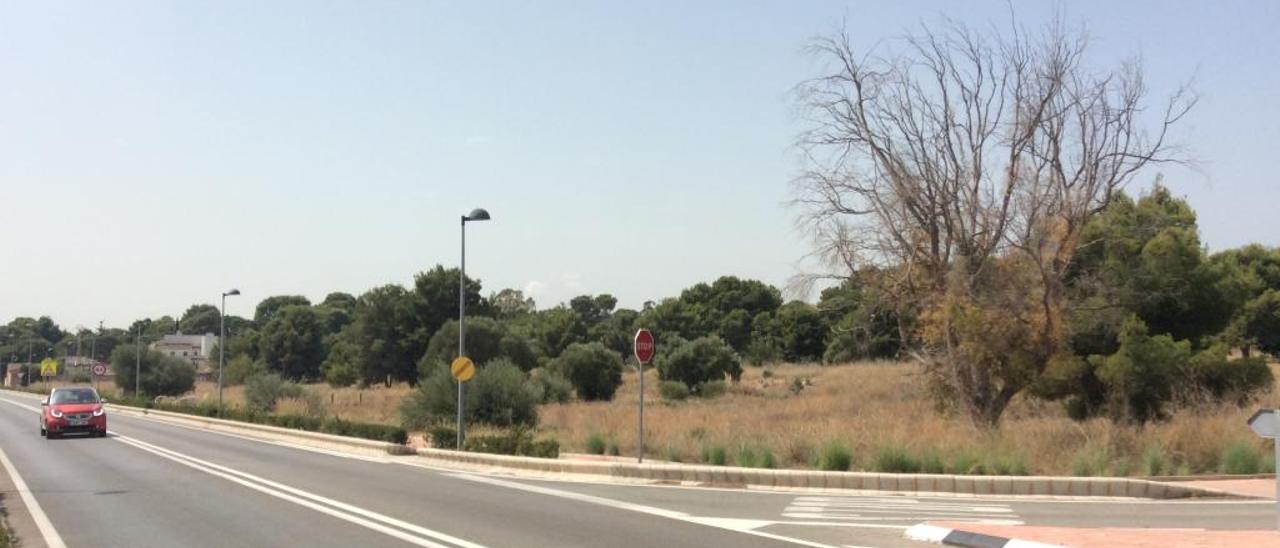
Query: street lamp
[222, 343]
[477, 214]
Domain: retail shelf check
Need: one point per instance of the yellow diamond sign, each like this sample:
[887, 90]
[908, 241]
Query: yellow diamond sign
[48, 367]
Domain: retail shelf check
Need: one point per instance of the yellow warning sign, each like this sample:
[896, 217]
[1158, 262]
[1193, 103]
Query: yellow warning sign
[48, 367]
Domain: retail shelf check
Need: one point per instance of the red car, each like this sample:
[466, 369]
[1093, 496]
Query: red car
[68, 410]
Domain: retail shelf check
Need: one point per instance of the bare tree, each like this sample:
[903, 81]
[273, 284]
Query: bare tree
[963, 167]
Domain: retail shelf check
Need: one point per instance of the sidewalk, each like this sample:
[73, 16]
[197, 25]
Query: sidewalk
[1122, 537]
[1260, 488]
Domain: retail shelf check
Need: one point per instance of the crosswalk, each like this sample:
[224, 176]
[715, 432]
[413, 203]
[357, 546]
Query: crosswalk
[896, 509]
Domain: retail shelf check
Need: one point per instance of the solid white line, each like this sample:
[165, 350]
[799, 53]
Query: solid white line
[308, 495]
[45, 526]
[736, 525]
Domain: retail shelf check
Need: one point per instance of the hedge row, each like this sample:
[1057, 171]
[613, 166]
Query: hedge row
[516, 441]
[336, 426]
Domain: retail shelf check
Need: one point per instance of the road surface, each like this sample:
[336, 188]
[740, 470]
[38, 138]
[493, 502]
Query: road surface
[155, 484]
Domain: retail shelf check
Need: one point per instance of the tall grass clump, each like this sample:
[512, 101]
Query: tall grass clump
[756, 457]
[834, 456]
[1154, 461]
[894, 459]
[595, 443]
[1241, 458]
[715, 454]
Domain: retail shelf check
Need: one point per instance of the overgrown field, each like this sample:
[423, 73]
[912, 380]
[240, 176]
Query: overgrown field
[874, 416]
[880, 413]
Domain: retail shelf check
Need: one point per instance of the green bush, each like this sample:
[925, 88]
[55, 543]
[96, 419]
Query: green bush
[673, 390]
[1154, 461]
[1241, 458]
[240, 369]
[713, 389]
[894, 459]
[552, 387]
[161, 375]
[516, 441]
[594, 370]
[1236, 381]
[756, 457]
[342, 365]
[834, 456]
[715, 455]
[700, 361]
[499, 394]
[443, 437]
[595, 444]
[261, 392]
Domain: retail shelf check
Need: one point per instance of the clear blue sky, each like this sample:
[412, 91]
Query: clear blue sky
[154, 154]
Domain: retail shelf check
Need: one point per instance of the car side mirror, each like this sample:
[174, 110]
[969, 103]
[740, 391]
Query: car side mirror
[44, 402]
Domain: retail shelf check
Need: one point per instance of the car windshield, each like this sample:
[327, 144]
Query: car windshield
[84, 395]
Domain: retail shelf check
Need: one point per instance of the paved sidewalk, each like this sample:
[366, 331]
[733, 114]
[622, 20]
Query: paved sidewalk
[1123, 537]
[1262, 488]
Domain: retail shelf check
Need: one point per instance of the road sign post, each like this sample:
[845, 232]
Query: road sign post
[1266, 423]
[462, 370]
[99, 369]
[644, 348]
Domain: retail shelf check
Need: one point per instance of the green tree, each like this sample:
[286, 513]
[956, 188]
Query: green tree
[487, 340]
[700, 361]
[291, 343]
[593, 310]
[387, 334]
[594, 370]
[270, 305]
[161, 375]
[340, 301]
[342, 365]
[511, 303]
[1258, 323]
[499, 394]
[435, 299]
[200, 319]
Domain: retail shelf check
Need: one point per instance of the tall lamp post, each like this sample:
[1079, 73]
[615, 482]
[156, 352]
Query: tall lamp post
[222, 343]
[477, 214]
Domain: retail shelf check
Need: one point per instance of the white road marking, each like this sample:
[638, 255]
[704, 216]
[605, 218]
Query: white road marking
[745, 526]
[862, 509]
[924, 532]
[354, 514]
[45, 526]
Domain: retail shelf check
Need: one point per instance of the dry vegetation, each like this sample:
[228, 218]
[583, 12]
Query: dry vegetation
[877, 407]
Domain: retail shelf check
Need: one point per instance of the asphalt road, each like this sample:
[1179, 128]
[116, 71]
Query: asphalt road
[156, 484]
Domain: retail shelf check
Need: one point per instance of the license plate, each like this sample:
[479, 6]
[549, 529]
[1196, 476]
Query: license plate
[78, 422]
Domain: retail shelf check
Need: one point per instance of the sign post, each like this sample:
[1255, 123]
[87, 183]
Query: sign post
[462, 370]
[99, 370]
[1266, 423]
[644, 348]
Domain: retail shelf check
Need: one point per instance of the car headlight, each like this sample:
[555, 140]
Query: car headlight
[99, 412]
[55, 413]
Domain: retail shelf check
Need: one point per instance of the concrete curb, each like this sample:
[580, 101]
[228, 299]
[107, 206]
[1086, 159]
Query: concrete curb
[956, 537]
[318, 440]
[920, 484]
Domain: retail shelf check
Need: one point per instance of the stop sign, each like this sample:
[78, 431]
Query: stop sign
[644, 346]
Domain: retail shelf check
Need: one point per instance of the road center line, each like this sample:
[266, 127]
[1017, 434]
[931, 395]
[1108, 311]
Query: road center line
[360, 516]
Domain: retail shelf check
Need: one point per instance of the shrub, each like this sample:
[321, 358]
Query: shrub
[755, 457]
[552, 387]
[715, 455]
[487, 340]
[161, 375]
[672, 453]
[443, 437]
[931, 463]
[518, 440]
[240, 369]
[594, 370]
[342, 366]
[894, 459]
[1141, 375]
[713, 389]
[834, 456]
[966, 463]
[611, 447]
[673, 390]
[1241, 458]
[499, 394]
[1154, 461]
[700, 361]
[261, 392]
[1235, 381]
[595, 444]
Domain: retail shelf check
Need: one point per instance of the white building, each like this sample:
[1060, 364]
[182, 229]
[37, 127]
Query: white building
[195, 348]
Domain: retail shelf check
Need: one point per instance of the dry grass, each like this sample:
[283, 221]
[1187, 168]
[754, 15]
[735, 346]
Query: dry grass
[372, 404]
[874, 406]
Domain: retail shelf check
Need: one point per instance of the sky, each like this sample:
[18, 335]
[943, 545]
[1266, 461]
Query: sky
[155, 154]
